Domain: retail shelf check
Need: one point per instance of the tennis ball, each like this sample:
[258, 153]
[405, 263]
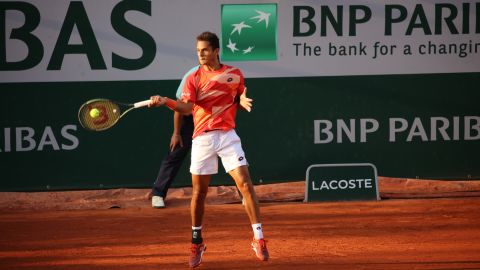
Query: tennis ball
[94, 113]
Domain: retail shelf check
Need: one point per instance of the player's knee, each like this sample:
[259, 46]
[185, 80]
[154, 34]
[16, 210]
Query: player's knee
[245, 187]
[199, 192]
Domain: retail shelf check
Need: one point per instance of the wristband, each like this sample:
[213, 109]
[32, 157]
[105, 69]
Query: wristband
[171, 104]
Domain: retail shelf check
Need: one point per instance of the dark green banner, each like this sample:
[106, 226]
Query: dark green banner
[417, 126]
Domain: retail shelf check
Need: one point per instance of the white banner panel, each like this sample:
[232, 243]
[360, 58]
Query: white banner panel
[109, 40]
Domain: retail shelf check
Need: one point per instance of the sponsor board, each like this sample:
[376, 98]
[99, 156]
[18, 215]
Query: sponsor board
[415, 103]
[341, 182]
[249, 32]
[57, 40]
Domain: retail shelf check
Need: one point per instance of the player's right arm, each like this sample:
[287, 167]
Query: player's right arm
[188, 97]
[178, 106]
[187, 84]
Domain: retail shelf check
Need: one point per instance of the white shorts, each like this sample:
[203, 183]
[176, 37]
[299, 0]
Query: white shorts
[208, 146]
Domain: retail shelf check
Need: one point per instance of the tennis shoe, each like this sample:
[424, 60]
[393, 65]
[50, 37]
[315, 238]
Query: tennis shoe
[157, 202]
[196, 255]
[260, 249]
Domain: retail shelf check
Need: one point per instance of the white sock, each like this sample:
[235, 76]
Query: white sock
[197, 228]
[257, 231]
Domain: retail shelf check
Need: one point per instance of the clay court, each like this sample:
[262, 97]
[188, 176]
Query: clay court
[101, 101]
[125, 233]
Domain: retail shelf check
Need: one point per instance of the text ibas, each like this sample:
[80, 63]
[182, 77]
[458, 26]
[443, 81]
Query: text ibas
[26, 139]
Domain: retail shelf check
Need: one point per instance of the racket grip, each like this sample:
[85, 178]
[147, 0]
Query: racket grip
[141, 103]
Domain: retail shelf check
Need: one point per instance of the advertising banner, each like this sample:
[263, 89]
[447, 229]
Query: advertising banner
[393, 84]
[341, 182]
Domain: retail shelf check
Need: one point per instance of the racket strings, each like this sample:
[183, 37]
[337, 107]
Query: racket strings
[104, 115]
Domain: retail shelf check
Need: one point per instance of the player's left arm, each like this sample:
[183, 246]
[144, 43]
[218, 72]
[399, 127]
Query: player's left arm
[242, 99]
[245, 102]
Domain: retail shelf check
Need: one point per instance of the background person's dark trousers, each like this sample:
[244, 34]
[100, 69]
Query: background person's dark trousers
[173, 160]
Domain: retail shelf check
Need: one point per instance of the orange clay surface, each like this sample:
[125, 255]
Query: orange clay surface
[389, 234]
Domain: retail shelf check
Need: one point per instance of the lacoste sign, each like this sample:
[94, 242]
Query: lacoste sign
[341, 182]
[249, 32]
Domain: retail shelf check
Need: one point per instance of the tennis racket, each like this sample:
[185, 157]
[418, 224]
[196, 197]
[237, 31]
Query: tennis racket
[102, 114]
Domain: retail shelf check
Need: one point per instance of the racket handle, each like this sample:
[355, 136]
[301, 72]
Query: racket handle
[141, 103]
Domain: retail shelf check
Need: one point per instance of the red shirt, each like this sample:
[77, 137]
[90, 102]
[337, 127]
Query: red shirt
[213, 94]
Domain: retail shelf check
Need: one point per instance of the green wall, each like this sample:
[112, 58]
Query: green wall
[278, 135]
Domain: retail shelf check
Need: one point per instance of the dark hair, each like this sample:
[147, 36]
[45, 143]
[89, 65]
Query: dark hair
[211, 38]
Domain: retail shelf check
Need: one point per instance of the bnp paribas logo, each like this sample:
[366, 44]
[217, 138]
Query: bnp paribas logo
[249, 32]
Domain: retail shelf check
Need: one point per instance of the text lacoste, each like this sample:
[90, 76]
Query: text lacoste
[343, 184]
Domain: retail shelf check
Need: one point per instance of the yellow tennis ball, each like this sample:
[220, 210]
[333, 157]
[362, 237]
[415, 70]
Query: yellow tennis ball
[94, 113]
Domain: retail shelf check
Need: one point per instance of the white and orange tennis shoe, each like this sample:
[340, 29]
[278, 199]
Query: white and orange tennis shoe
[196, 255]
[260, 249]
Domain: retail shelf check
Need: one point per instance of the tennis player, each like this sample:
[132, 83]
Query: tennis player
[213, 94]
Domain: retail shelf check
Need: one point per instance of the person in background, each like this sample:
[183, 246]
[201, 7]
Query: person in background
[180, 144]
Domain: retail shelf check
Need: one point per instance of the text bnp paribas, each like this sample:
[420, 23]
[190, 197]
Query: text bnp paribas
[441, 19]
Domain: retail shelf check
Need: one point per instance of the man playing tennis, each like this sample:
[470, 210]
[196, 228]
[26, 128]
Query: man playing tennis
[212, 94]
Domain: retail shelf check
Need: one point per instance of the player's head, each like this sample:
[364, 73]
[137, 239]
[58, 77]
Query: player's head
[208, 47]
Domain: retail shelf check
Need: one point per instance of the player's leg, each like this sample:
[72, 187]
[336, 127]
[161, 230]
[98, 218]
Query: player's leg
[204, 163]
[197, 208]
[199, 193]
[235, 163]
[242, 178]
[241, 175]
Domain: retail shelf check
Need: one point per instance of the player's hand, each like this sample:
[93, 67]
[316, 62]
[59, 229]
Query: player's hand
[175, 141]
[156, 101]
[245, 102]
